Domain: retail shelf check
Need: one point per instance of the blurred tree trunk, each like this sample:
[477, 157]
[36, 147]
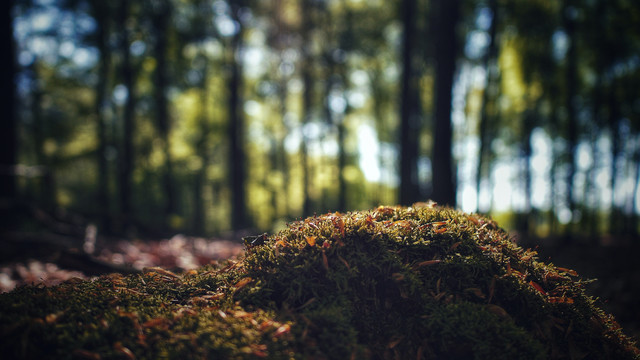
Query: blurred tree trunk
[571, 133]
[444, 178]
[616, 152]
[126, 156]
[591, 199]
[279, 39]
[202, 150]
[378, 96]
[346, 44]
[237, 156]
[488, 104]
[46, 187]
[635, 214]
[529, 118]
[8, 141]
[281, 159]
[199, 208]
[553, 171]
[336, 120]
[409, 109]
[8, 131]
[307, 96]
[161, 23]
[102, 14]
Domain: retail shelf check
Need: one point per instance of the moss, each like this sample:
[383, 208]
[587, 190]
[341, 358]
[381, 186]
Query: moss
[393, 282]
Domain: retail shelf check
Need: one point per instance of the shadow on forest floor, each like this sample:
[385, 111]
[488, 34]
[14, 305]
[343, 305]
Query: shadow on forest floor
[615, 269]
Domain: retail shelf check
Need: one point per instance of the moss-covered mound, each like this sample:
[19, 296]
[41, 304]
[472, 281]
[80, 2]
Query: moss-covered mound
[399, 283]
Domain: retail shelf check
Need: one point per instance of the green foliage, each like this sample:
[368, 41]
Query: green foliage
[393, 282]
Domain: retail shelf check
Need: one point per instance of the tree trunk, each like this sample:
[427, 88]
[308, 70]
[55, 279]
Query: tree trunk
[202, 150]
[102, 16]
[126, 156]
[346, 44]
[237, 157]
[603, 58]
[342, 164]
[8, 143]
[281, 161]
[161, 23]
[571, 93]
[409, 109]
[488, 103]
[378, 97]
[46, 188]
[616, 150]
[279, 40]
[636, 192]
[553, 196]
[307, 96]
[529, 117]
[444, 183]
[8, 132]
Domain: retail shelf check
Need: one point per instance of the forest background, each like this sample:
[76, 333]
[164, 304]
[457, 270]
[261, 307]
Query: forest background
[155, 117]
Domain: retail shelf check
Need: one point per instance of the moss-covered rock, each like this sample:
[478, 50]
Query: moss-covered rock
[400, 283]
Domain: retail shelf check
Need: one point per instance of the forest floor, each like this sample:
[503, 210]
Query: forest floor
[615, 268]
[178, 253]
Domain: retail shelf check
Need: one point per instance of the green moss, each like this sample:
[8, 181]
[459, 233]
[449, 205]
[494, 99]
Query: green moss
[393, 282]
